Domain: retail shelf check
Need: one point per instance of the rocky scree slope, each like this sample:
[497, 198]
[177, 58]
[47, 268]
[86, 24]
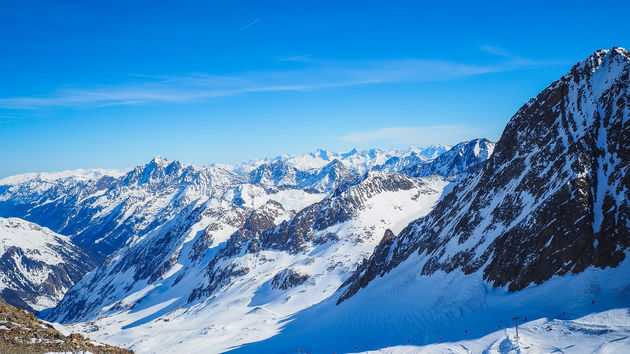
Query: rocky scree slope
[21, 332]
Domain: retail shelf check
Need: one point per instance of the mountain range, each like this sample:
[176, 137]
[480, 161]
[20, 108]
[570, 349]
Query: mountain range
[348, 251]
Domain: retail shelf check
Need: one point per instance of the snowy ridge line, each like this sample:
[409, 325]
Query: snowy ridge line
[79, 174]
[540, 228]
[264, 250]
[307, 161]
[360, 160]
[104, 213]
[535, 208]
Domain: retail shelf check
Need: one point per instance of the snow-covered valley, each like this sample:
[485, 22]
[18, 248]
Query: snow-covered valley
[265, 239]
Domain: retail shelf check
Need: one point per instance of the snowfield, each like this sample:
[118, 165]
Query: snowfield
[601, 332]
[457, 313]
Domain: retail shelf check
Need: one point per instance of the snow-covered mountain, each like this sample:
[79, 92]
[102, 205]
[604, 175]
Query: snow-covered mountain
[37, 266]
[276, 260]
[355, 160]
[102, 209]
[325, 179]
[552, 199]
[540, 232]
[103, 214]
[278, 240]
[45, 180]
[456, 160]
[412, 158]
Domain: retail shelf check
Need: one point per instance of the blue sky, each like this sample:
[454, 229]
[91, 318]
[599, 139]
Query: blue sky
[111, 84]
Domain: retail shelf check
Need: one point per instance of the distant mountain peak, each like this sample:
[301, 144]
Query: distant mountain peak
[80, 174]
[321, 153]
[354, 151]
[160, 161]
[600, 56]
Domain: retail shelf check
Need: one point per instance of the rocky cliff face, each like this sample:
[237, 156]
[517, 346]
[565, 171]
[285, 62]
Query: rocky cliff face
[552, 199]
[458, 159]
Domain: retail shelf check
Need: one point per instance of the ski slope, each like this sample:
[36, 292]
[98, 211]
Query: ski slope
[404, 312]
[600, 332]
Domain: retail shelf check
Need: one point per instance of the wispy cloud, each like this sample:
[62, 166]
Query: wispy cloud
[246, 27]
[497, 51]
[294, 58]
[427, 135]
[313, 75]
[516, 60]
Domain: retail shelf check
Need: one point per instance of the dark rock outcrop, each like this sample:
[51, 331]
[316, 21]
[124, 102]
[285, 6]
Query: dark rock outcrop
[458, 159]
[553, 198]
[287, 279]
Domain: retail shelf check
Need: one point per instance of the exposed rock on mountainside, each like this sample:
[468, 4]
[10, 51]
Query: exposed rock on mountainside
[101, 210]
[552, 199]
[37, 266]
[263, 251]
[292, 236]
[458, 159]
[318, 225]
[21, 332]
[414, 158]
[288, 278]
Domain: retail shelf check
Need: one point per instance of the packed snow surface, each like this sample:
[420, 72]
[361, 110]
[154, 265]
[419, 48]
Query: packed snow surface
[599, 332]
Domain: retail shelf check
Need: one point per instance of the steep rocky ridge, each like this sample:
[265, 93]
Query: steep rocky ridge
[552, 199]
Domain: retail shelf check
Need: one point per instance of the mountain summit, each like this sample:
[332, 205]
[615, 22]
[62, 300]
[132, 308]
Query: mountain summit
[552, 199]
